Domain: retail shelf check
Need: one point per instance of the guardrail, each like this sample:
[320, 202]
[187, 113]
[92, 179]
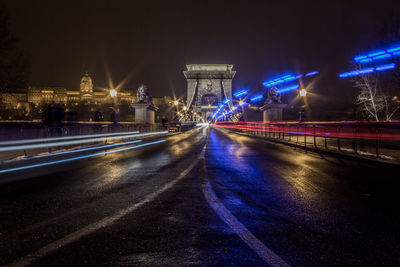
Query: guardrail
[378, 139]
[174, 127]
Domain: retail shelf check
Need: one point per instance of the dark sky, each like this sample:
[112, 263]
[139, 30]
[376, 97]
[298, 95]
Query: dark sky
[155, 39]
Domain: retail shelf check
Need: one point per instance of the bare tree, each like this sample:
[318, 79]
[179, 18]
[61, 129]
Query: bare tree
[391, 107]
[368, 98]
[375, 103]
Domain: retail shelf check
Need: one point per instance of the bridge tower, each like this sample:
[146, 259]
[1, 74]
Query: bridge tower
[207, 86]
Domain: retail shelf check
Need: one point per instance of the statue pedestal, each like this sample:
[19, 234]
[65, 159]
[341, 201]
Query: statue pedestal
[144, 113]
[272, 112]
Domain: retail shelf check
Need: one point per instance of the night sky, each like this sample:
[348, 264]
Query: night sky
[154, 40]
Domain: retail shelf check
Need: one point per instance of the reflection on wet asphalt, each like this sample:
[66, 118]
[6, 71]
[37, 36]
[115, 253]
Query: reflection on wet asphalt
[309, 209]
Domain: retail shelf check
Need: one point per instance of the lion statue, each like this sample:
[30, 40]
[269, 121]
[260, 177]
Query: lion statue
[273, 96]
[143, 96]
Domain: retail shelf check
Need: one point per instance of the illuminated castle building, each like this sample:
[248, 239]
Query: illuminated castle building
[41, 96]
[38, 95]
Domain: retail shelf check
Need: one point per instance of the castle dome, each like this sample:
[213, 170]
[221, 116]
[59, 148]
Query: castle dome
[86, 86]
[86, 78]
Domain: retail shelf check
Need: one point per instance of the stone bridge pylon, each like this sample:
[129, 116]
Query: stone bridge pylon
[207, 86]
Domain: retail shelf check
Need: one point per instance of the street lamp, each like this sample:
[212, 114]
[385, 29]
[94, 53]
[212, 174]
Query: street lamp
[113, 93]
[176, 102]
[185, 108]
[302, 94]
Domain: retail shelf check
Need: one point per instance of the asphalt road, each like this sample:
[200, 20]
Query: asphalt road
[241, 202]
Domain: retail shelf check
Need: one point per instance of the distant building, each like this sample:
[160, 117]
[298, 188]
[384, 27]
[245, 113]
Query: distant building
[41, 96]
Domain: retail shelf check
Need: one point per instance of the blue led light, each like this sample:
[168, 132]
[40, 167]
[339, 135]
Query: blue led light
[359, 58]
[226, 101]
[311, 73]
[289, 78]
[240, 93]
[376, 53]
[282, 79]
[382, 56]
[366, 60]
[394, 49]
[386, 67]
[299, 76]
[368, 70]
[349, 73]
[290, 88]
[258, 97]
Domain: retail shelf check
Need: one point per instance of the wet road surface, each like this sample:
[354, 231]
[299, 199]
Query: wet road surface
[151, 207]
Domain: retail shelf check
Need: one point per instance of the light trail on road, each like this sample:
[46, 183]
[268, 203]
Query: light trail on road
[105, 222]
[368, 131]
[52, 139]
[78, 158]
[66, 143]
[90, 148]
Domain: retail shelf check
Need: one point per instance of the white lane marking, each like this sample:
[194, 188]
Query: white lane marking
[253, 242]
[46, 250]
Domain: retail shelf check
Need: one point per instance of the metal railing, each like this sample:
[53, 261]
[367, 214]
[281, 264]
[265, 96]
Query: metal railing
[377, 139]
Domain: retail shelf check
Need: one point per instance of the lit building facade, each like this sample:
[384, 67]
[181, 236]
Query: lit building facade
[41, 96]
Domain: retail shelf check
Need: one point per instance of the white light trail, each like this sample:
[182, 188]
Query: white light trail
[90, 148]
[52, 139]
[66, 143]
[78, 158]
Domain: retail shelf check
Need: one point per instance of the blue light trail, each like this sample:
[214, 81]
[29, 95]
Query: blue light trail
[367, 70]
[287, 89]
[240, 93]
[311, 73]
[394, 49]
[378, 55]
[78, 158]
[366, 60]
[288, 78]
[258, 97]
[382, 56]
[89, 149]
[386, 67]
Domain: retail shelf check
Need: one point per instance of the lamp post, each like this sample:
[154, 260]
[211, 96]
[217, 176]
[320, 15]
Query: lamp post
[302, 94]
